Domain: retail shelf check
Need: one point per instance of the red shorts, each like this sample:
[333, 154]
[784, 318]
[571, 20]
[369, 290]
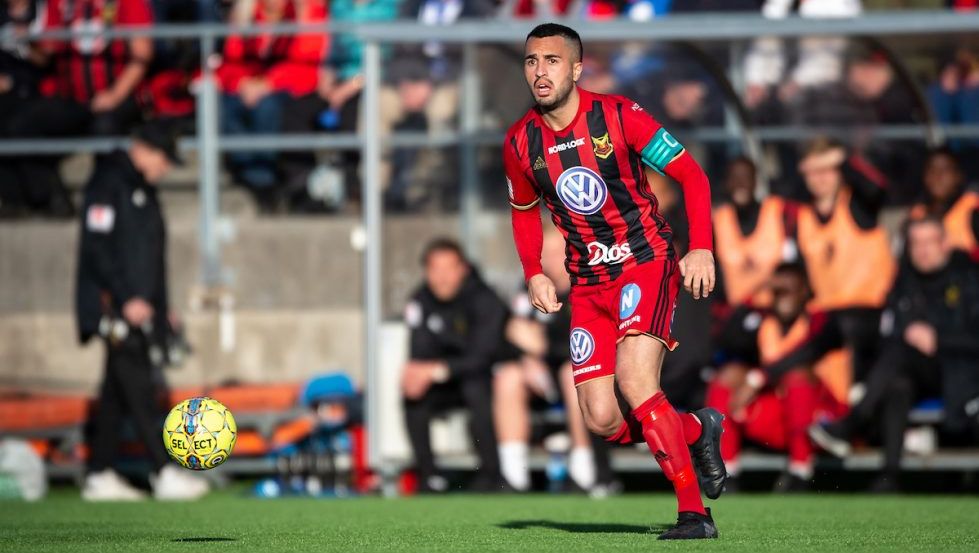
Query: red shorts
[640, 301]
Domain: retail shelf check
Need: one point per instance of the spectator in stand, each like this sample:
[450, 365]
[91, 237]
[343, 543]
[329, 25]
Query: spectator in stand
[955, 97]
[947, 197]
[334, 105]
[457, 335]
[801, 377]
[846, 251]
[810, 92]
[931, 332]
[545, 357]
[20, 75]
[258, 74]
[424, 96]
[95, 82]
[877, 97]
[92, 89]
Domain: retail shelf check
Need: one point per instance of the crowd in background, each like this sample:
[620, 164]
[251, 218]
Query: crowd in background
[311, 83]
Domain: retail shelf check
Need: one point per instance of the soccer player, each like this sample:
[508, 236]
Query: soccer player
[582, 153]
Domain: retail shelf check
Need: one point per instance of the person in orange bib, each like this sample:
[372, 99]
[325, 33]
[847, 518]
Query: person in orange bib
[751, 238]
[846, 252]
[948, 198]
[802, 376]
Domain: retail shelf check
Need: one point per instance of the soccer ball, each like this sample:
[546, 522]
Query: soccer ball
[199, 433]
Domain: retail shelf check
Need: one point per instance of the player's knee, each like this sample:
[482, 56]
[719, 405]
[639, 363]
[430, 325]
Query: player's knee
[731, 375]
[637, 389]
[602, 418]
[507, 380]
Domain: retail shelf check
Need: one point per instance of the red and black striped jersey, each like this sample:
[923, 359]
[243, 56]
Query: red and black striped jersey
[89, 63]
[591, 178]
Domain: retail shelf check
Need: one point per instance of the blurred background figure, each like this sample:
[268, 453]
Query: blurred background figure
[121, 297]
[845, 249]
[457, 327]
[955, 95]
[21, 71]
[423, 95]
[258, 75]
[947, 197]
[333, 106]
[543, 372]
[751, 237]
[931, 330]
[774, 402]
[91, 88]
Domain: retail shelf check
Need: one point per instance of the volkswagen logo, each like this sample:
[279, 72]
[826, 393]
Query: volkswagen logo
[582, 190]
[582, 346]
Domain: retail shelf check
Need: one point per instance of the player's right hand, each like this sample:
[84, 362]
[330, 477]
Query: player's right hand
[137, 311]
[543, 294]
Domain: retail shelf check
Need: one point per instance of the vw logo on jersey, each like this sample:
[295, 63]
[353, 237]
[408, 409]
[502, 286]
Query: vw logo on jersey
[582, 190]
[582, 346]
[629, 300]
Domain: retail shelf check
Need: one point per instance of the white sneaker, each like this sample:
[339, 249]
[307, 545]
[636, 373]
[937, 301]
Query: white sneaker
[109, 486]
[173, 483]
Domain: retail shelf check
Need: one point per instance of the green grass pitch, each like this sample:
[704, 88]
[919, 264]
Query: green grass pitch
[227, 521]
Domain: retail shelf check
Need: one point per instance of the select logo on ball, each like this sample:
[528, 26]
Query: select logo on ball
[199, 433]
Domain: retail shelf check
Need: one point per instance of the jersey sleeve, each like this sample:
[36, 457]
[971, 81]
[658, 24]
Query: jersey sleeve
[654, 144]
[522, 193]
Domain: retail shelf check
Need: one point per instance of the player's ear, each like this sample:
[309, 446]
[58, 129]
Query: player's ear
[576, 71]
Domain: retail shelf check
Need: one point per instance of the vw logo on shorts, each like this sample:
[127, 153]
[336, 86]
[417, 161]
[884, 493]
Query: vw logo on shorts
[582, 346]
[582, 190]
[629, 300]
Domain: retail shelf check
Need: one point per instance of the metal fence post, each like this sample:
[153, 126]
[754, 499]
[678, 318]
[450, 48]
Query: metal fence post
[207, 137]
[370, 169]
[469, 105]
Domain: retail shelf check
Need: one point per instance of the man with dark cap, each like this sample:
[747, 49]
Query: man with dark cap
[121, 296]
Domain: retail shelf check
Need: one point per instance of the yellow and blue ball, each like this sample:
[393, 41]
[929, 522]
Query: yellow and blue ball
[199, 433]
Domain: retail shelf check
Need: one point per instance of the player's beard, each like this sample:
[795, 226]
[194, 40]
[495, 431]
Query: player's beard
[558, 98]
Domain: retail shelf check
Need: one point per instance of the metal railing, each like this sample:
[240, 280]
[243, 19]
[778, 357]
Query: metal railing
[369, 140]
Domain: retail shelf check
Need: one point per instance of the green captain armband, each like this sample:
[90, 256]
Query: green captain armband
[661, 150]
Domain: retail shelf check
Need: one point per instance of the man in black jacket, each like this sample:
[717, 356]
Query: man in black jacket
[931, 333]
[457, 327]
[121, 296]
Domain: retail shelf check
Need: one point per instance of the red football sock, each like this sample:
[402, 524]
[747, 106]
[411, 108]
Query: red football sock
[719, 397]
[799, 406]
[630, 432]
[663, 430]
[691, 427]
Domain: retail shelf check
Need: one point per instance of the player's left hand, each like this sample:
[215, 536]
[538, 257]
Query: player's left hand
[697, 269]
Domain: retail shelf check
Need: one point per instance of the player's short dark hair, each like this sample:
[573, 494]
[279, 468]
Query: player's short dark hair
[944, 151]
[545, 30]
[442, 244]
[745, 160]
[793, 269]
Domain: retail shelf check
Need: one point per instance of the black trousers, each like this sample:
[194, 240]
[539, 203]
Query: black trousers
[475, 394]
[901, 376]
[861, 333]
[128, 393]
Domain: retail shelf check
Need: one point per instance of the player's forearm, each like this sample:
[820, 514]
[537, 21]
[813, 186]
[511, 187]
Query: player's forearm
[528, 235]
[696, 195]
